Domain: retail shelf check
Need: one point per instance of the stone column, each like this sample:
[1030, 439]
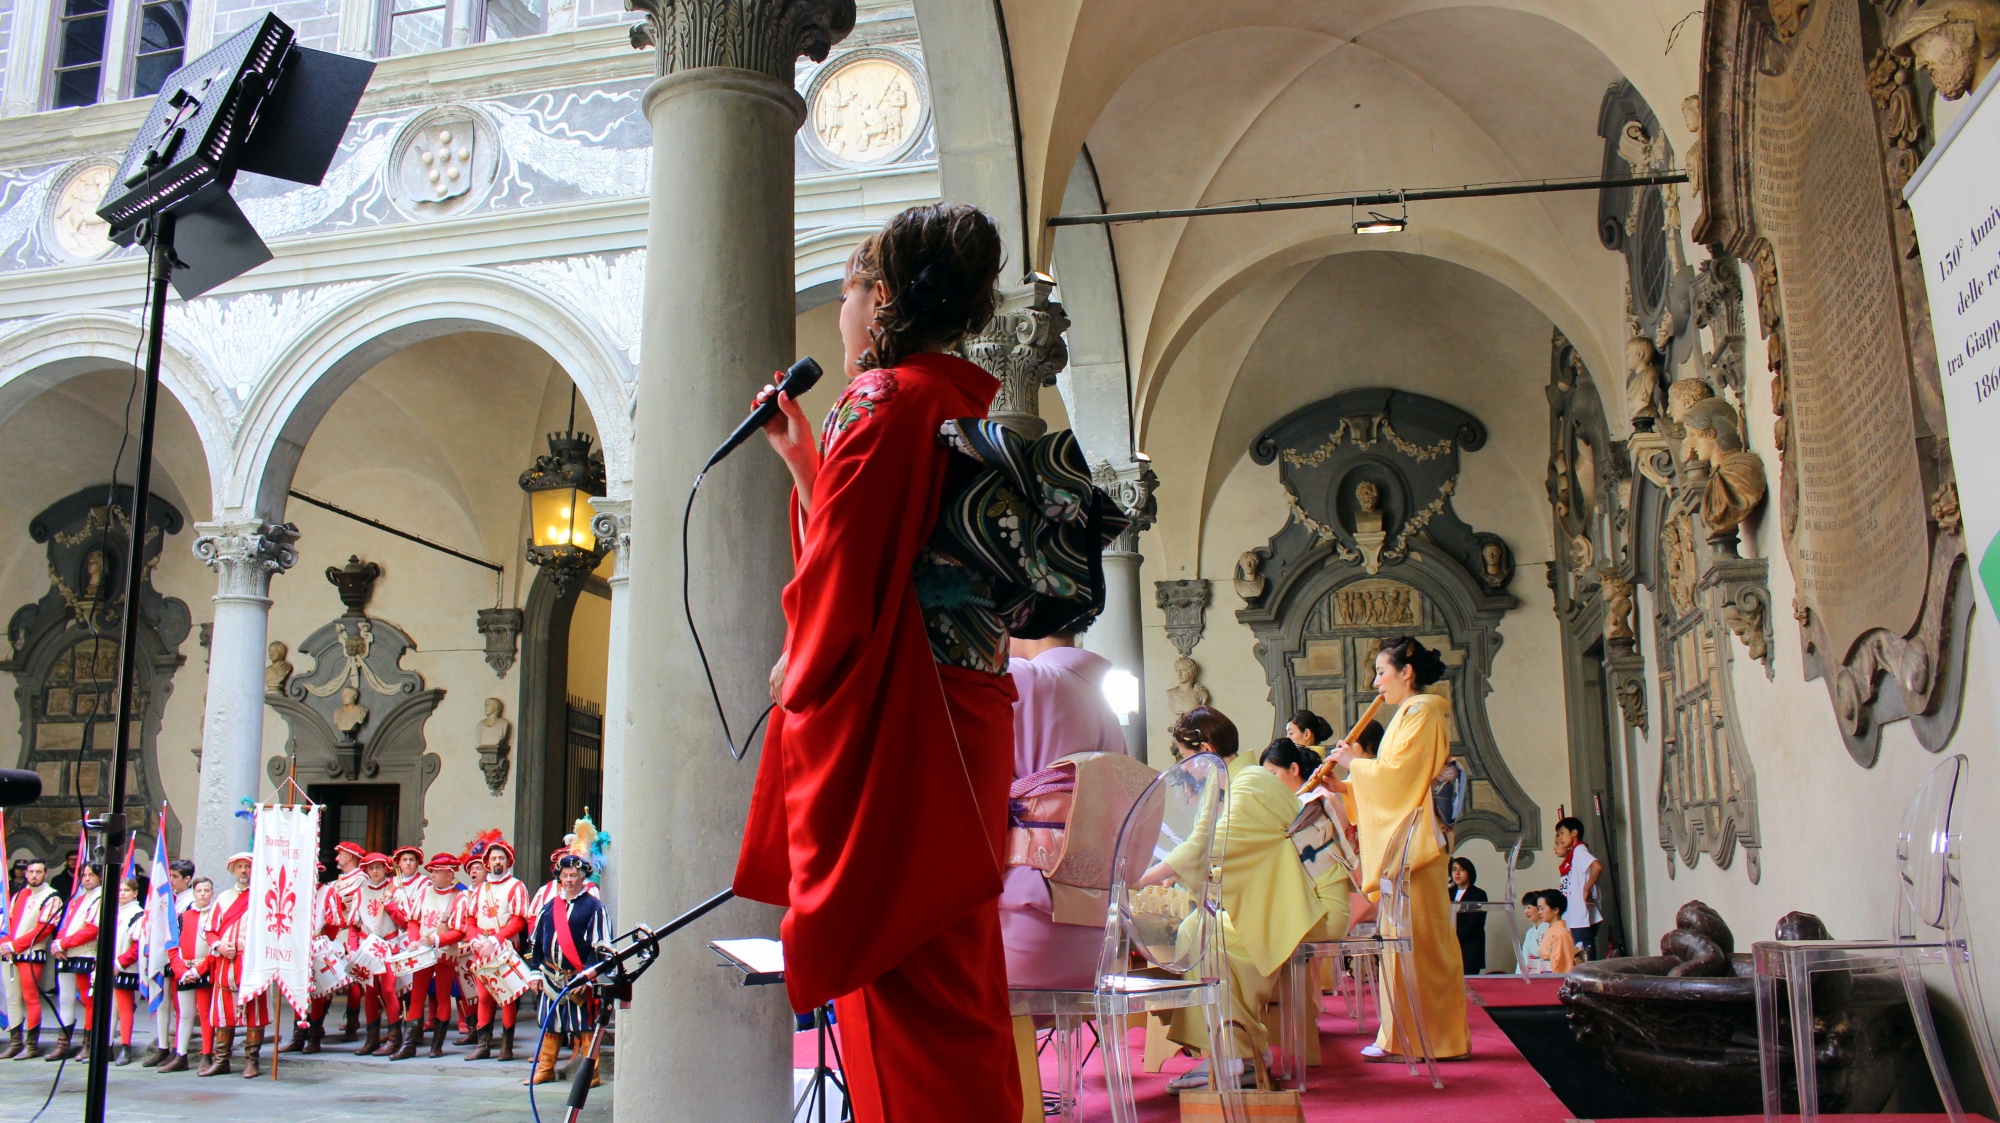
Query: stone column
[696, 1045]
[613, 524]
[1119, 633]
[244, 553]
[1022, 347]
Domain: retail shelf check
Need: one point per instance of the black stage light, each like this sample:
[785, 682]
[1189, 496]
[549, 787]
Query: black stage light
[258, 103]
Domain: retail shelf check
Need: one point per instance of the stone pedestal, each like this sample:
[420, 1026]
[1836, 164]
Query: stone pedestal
[696, 1045]
[244, 553]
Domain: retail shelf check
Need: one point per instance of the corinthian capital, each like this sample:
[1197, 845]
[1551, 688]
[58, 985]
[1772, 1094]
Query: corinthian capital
[767, 36]
[244, 553]
[1132, 487]
[1023, 347]
[613, 527]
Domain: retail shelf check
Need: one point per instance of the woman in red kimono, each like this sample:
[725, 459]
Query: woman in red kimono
[880, 809]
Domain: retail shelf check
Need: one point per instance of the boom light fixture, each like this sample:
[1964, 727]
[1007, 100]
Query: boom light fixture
[1379, 223]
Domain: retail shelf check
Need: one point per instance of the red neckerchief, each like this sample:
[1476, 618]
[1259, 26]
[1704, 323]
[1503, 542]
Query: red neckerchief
[563, 936]
[1563, 870]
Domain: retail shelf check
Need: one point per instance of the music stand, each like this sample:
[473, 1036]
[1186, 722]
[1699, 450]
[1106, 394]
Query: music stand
[762, 962]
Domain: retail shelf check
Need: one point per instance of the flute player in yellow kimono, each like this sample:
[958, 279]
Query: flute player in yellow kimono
[1415, 748]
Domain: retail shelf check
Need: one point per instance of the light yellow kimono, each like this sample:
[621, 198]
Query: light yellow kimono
[1269, 902]
[1414, 750]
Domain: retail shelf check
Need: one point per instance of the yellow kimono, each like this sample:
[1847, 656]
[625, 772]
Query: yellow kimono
[1414, 750]
[1269, 902]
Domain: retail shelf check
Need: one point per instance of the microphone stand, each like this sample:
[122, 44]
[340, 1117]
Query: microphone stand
[610, 980]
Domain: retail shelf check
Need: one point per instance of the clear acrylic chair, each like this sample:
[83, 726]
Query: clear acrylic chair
[1173, 931]
[1930, 929]
[1393, 927]
[1508, 908]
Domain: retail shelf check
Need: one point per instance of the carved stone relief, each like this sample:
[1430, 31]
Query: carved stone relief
[1186, 606]
[357, 714]
[866, 108]
[1808, 195]
[65, 666]
[1359, 465]
[502, 629]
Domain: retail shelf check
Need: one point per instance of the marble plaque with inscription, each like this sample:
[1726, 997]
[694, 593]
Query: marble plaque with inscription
[1860, 549]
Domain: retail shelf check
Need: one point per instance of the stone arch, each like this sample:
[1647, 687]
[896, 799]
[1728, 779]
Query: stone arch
[973, 115]
[312, 372]
[52, 351]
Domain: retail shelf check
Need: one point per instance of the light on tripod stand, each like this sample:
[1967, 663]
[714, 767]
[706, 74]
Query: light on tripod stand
[257, 103]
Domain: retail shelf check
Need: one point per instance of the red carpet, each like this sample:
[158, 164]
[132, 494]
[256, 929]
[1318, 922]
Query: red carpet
[1496, 1086]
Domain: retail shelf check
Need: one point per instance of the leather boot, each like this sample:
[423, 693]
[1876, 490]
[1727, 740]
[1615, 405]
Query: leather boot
[218, 1061]
[79, 1050]
[175, 1062]
[154, 1055]
[14, 1044]
[373, 1041]
[437, 1038]
[124, 1056]
[315, 1033]
[468, 1037]
[353, 1029]
[410, 1038]
[298, 1042]
[253, 1043]
[393, 1043]
[507, 1043]
[482, 1041]
[60, 1050]
[32, 1046]
[545, 1060]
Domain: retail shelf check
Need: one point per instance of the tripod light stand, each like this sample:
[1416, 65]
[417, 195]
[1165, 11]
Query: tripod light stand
[257, 103]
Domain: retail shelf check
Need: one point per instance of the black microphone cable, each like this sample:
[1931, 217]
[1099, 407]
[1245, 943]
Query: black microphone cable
[736, 752]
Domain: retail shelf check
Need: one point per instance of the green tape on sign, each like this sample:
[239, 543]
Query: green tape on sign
[1989, 572]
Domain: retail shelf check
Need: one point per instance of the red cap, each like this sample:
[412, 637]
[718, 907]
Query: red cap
[402, 850]
[439, 861]
[350, 848]
[502, 846]
[373, 857]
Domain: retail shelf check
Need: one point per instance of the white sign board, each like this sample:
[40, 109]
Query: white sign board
[1955, 198]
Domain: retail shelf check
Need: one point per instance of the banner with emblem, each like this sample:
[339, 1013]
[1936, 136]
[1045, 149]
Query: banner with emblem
[278, 925]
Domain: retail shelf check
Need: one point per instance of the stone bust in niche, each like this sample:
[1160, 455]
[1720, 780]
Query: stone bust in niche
[350, 716]
[1642, 381]
[278, 671]
[495, 735]
[1736, 484]
[1368, 532]
[1496, 568]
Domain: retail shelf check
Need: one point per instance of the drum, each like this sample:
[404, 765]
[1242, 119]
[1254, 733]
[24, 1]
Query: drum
[500, 968]
[329, 968]
[369, 958]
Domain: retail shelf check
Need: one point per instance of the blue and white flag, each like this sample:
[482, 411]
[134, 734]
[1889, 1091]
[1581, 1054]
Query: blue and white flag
[162, 933]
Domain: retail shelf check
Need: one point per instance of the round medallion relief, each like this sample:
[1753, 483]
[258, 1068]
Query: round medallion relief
[445, 160]
[73, 229]
[868, 108]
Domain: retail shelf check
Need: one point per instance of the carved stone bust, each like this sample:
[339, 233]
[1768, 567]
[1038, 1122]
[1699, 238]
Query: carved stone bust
[1249, 583]
[495, 735]
[278, 671]
[1955, 41]
[351, 715]
[1736, 483]
[1186, 693]
[1642, 380]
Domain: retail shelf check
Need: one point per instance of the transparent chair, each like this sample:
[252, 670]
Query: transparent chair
[1930, 929]
[1173, 931]
[1393, 926]
[1508, 908]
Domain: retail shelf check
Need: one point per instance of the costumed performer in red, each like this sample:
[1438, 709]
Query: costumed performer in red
[880, 810]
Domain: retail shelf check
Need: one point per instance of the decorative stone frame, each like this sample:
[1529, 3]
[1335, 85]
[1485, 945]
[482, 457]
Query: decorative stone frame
[913, 134]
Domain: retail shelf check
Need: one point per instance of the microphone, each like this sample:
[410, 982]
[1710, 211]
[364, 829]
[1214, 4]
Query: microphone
[799, 379]
[18, 786]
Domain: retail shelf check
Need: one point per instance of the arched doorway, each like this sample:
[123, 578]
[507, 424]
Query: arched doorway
[565, 663]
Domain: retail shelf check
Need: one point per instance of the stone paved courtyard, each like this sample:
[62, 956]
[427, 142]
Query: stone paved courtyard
[333, 1087]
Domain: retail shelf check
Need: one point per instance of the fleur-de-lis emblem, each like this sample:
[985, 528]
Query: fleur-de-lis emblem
[279, 900]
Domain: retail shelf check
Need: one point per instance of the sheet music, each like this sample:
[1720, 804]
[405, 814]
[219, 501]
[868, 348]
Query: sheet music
[754, 956]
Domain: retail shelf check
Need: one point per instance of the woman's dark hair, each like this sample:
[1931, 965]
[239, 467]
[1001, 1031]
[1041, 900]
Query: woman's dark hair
[1206, 724]
[1471, 875]
[1285, 752]
[1554, 899]
[939, 262]
[1405, 651]
[1306, 721]
[1370, 738]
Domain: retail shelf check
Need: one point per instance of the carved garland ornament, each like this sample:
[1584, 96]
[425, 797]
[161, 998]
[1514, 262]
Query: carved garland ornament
[1805, 140]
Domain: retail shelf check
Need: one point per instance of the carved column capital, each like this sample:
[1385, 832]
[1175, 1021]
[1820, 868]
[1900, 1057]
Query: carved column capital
[502, 629]
[766, 36]
[613, 527]
[245, 553]
[1023, 347]
[1132, 487]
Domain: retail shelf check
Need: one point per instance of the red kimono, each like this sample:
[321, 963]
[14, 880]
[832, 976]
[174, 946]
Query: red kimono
[880, 809]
